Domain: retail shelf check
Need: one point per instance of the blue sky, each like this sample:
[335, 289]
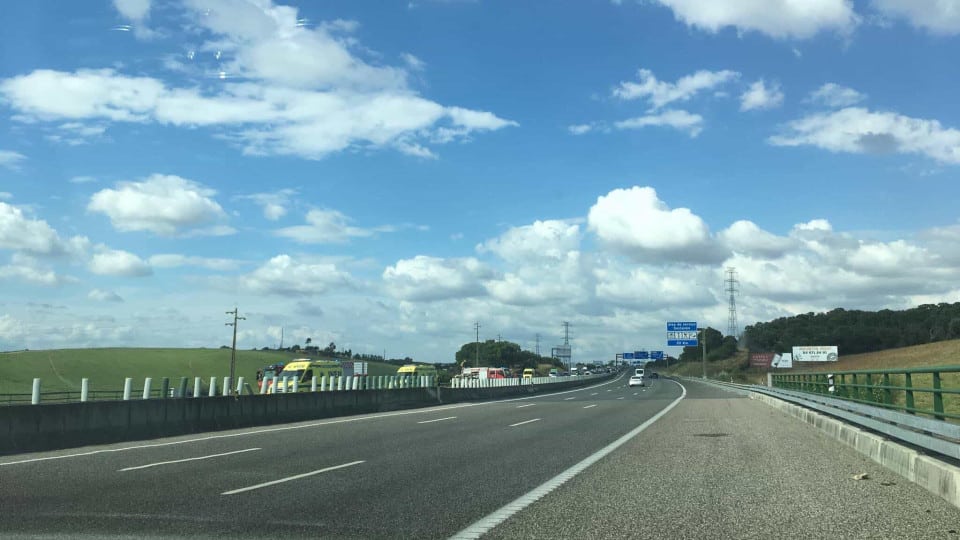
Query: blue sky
[382, 175]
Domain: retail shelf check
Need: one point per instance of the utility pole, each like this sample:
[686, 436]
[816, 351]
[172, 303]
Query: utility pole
[476, 326]
[233, 349]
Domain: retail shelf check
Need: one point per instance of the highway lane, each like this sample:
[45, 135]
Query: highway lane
[425, 473]
[723, 466]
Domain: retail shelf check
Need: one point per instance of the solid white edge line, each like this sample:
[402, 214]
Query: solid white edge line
[437, 420]
[569, 398]
[289, 478]
[187, 459]
[527, 405]
[484, 524]
[304, 426]
[525, 422]
[588, 406]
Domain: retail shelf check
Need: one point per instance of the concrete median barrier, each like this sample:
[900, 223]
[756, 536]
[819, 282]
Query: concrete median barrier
[28, 428]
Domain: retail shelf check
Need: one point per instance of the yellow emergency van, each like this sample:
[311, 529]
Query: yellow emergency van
[417, 370]
[303, 370]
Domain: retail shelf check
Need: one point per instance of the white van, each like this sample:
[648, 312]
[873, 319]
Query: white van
[639, 372]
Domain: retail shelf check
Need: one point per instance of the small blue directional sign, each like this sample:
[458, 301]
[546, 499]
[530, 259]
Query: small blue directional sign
[628, 356]
[641, 355]
[682, 326]
[656, 355]
[682, 334]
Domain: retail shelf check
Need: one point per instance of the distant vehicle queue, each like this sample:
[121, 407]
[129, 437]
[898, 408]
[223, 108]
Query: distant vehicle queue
[299, 373]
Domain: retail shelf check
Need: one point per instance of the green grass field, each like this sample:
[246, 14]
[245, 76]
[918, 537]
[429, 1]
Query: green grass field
[62, 370]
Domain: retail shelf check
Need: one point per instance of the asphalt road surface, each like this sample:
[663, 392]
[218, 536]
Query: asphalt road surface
[715, 466]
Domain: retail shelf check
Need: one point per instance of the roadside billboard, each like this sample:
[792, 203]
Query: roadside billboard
[782, 361]
[761, 359]
[819, 353]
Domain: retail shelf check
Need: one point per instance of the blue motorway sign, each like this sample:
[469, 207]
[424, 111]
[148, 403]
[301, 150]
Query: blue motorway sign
[682, 343]
[682, 326]
[641, 355]
[656, 355]
[628, 356]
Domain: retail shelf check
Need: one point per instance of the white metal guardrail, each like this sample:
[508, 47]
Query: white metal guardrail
[222, 387]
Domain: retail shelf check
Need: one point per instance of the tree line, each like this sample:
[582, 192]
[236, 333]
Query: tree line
[494, 353]
[856, 331]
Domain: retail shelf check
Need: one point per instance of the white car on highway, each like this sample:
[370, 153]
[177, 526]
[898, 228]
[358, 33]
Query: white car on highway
[636, 380]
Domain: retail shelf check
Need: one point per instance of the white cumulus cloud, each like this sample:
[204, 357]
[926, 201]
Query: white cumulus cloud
[176, 260]
[782, 19]
[11, 159]
[274, 204]
[745, 236]
[101, 295]
[285, 276]
[760, 96]
[304, 90]
[166, 205]
[549, 239]
[427, 278]
[659, 93]
[326, 226]
[680, 120]
[27, 269]
[116, 262]
[859, 130]
[19, 232]
[835, 95]
[637, 223]
[937, 16]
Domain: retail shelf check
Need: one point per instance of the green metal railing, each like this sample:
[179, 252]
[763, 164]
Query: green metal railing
[928, 391]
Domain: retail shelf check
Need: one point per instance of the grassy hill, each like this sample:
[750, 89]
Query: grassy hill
[941, 353]
[62, 370]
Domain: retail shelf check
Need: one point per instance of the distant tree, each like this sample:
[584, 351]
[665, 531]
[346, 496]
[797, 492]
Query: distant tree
[855, 331]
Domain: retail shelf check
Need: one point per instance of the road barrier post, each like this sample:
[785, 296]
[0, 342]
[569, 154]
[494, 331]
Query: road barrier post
[274, 384]
[35, 397]
[225, 389]
[165, 388]
[239, 384]
[339, 383]
[197, 387]
[296, 384]
[313, 384]
[127, 388]
[182, 390]
[84, 390]
[146, 388]
[212, 391]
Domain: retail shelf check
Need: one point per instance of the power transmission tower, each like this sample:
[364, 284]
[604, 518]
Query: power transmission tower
[733, 289]
[538, 345]
[233, 349]
[476, 326]
[563, 352]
